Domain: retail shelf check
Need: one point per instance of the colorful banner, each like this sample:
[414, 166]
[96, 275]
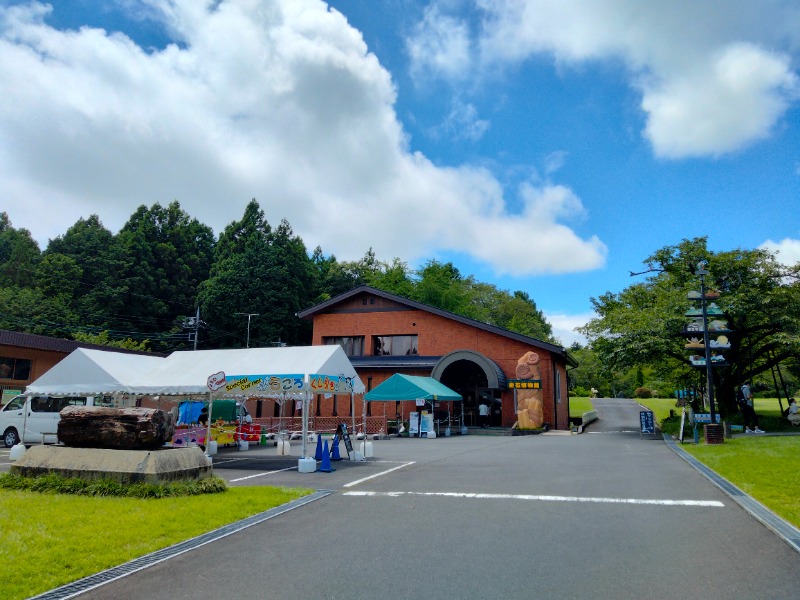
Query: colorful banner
[268, 384]
[330, 384]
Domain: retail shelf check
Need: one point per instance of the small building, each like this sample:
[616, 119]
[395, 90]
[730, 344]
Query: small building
[24, 357]
[384, 334]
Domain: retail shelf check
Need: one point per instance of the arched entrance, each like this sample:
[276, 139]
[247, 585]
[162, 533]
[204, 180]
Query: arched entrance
[478, 379]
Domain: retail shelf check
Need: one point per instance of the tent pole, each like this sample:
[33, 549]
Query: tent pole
[305, 416]
[208, 424]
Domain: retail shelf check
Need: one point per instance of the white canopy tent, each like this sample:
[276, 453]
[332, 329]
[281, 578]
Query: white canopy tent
[187, 372]
[95, 372]
[284, 372]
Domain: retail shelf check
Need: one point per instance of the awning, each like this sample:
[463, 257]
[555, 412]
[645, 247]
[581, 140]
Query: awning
[401, 387]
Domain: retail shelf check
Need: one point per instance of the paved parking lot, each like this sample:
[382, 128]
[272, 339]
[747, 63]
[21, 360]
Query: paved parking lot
[604, 515]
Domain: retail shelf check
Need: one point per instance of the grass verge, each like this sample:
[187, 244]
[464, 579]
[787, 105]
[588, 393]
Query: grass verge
[763, 467]
[78, 535]
[767, 409]
[579, 405]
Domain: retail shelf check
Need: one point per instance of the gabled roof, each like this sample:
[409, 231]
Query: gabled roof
[33, 341]
[88, 372]
[323, 307]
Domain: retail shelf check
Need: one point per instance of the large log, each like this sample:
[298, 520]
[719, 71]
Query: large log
[115, 428]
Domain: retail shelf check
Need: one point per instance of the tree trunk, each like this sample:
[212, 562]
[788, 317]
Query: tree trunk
[115, 428]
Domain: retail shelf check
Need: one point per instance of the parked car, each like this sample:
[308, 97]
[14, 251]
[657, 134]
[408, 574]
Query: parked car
[34, 419]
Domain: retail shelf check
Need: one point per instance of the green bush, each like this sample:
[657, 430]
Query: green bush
[56, 484]
[643, 392]
[580, 392]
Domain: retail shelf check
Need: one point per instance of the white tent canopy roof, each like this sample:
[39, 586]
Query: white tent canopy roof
[187, 372]
[89, 372]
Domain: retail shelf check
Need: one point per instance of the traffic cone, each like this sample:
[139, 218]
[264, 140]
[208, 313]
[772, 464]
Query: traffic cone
[326, 460]
[318, 453]
[335, 448]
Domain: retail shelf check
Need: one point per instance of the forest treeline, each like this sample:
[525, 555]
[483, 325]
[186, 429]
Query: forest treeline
[142, 287]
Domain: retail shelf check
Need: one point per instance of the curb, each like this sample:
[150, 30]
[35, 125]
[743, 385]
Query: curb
[783, 529]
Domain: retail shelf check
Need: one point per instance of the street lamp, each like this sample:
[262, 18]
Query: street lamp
[249, 316]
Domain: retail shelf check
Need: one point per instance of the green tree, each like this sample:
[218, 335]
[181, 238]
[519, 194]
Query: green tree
[441, 285]
[99, 297]
[518, 312]
[644, 324]
[19, 255]
[258, 271]
[331, 278]
[167, 255]
[103, 339]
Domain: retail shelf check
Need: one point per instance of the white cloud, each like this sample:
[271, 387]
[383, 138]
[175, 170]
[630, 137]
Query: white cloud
[715, 76]
[564, 326]
[463, 123]
[733, 99]
[788, 250]
[277, 100]
[441, 45]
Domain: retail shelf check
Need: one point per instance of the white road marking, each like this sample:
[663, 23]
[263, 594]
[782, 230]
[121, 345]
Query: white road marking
[262, 474]
[357, 481]
[707, 503]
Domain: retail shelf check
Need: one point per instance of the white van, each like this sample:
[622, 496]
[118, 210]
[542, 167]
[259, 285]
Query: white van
[34, 419]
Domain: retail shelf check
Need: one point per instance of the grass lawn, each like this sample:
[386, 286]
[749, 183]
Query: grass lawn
[764, 467]
[767, 409]
[76, 536]
[579, 405]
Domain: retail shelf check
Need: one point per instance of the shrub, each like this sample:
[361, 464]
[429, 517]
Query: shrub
[580, 392]
[643, 392]
[56, 484]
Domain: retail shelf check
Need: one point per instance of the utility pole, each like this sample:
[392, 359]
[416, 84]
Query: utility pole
[249, 316]
[196, 327]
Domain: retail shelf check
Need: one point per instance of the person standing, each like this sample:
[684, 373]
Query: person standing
[483, 415]
[793, 412]
[202, 419]
[748, 412]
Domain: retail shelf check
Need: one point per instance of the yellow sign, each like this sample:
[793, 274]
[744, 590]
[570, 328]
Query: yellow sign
[524, 384]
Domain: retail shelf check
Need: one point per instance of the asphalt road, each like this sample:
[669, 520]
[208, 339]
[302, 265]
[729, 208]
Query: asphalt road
[597, 515]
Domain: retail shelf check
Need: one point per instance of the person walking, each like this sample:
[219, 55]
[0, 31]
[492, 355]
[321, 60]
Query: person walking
[745, 398]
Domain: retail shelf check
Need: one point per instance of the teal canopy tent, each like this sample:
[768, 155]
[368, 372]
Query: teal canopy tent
[399, 388]
[409, 387]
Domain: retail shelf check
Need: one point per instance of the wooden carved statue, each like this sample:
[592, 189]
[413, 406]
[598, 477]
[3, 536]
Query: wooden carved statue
[529, 402]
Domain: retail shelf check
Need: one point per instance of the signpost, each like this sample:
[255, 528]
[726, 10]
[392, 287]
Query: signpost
[345, 436]
[647, 423]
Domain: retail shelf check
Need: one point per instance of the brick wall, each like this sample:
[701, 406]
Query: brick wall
[438, 336]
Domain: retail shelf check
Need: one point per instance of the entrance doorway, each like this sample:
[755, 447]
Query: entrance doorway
[469, 380]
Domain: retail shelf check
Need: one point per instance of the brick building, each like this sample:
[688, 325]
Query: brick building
[385, 334]
[24, 357]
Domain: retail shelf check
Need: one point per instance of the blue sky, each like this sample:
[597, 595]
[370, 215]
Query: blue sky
[547, 147]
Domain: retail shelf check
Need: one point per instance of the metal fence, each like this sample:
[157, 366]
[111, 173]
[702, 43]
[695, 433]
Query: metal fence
[321, 424]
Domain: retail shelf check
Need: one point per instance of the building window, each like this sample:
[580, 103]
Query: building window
[352, 345]
[558, 387]
[18, 369]
[394, 345]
